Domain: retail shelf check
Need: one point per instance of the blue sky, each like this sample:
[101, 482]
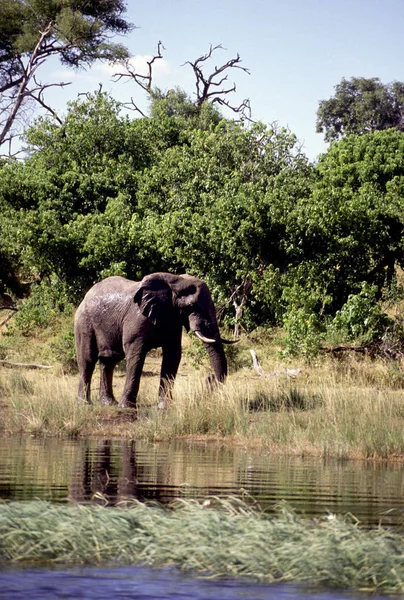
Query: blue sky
[296, 50]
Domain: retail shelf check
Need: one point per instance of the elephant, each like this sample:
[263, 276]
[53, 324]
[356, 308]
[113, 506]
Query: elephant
[119, 318]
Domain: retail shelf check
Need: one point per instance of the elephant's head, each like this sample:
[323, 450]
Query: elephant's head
[189, 299]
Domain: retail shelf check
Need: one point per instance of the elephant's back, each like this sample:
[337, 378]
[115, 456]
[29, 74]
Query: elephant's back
[111, 296]
[103, 311]
[109, 291]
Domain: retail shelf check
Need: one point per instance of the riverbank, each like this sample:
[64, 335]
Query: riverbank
[346, 408]
[216, 538]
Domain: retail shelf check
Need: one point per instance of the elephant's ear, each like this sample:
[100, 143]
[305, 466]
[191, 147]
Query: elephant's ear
[154, 298]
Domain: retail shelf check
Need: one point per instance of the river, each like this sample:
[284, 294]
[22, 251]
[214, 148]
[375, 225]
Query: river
[109, 471]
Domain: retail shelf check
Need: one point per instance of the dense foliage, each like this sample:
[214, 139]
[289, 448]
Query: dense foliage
[360, 106]
[186, 190]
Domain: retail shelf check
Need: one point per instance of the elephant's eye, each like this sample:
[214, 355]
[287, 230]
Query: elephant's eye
[187, 309]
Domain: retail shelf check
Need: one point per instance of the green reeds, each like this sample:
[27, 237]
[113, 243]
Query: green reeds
[218, 538]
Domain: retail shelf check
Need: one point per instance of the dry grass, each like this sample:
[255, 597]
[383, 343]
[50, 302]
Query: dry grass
[352, 408]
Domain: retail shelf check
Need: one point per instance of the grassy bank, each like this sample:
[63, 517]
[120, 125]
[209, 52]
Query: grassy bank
[217, 538]
[351, 408]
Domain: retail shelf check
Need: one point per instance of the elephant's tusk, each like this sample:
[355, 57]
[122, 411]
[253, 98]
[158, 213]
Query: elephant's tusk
[203, 338]
[229, 341]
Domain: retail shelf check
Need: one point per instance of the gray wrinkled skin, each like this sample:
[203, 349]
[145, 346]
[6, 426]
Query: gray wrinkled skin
[119, 318]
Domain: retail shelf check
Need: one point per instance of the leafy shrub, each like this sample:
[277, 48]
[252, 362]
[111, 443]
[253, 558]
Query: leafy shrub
[302, 323]
[195, 352]
[236, 359]
[302, 333]
[361, 316]
[47, 300]
[65, 351]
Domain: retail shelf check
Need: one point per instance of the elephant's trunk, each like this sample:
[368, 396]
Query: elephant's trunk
[204, 325]
[218, 360]
[214, 347]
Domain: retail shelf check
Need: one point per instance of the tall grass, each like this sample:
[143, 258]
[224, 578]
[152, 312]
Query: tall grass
[216, 538]
[43, 404]
[323, 418]
[194, 411]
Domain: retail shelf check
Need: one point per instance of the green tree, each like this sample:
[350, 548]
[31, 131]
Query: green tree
[33, 31]
[216, 206]
[73, 171]
[277, 239]
[361, 106]
[67, 208]
[350, 229]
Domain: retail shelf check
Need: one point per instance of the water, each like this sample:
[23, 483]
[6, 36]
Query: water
[58, 470]
[110, 471]
[139, 583]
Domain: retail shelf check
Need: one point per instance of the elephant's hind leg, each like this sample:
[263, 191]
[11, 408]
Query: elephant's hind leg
[86, 369]
[86, 351]
[107, 366]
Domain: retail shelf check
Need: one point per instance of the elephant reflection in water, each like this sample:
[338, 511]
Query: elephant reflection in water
[104, 472]
[114, 473]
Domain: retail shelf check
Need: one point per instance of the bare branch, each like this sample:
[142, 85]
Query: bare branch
[28, 72]
[38, 97]
[12, 83]
[206, 87]
[7, 363]
[133, 106]
[6, 320]
[85, 42]
[210, 88]
[244, 108]
[238, 298]
[292, 373]
[144, 80]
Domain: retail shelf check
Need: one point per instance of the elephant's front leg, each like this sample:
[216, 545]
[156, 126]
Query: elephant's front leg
[169, 369]
[135, 357]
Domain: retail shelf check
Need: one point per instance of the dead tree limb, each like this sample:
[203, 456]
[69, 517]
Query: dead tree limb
[292, 373]
[256, 364]
[361, 349]
[37, 95]
[239, 299]
[389, 348]
[4, 321]
[28, 71]
[211, 88]
[144, 80]
[7, 363]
